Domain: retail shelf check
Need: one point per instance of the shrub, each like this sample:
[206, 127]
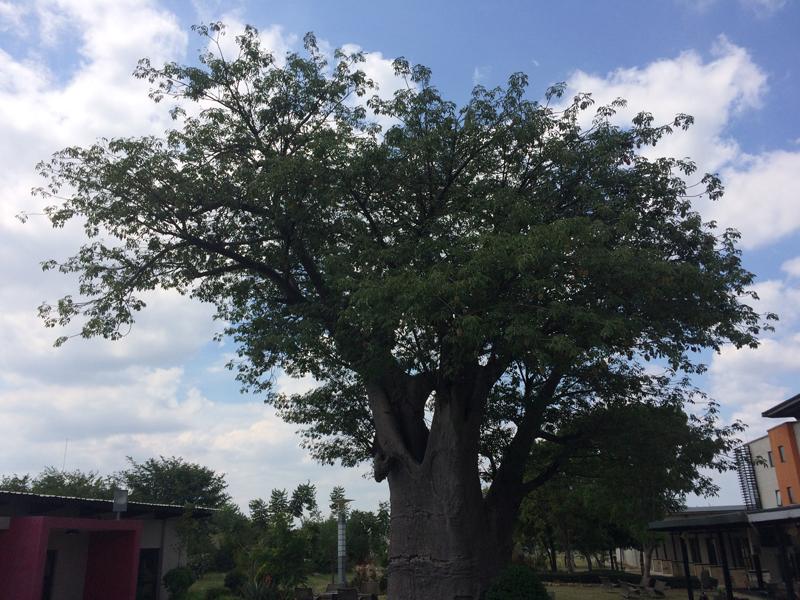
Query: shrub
[178, 581]
[235, 580]
[516, 582]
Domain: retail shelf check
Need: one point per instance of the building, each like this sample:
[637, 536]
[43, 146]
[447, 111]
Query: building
[755, 546]
[62, 548]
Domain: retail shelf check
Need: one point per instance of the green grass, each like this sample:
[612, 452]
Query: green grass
[206, 582]
[597, 592]
[317, 581]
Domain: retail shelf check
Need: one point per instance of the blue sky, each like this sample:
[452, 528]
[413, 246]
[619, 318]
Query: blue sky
[65, 79]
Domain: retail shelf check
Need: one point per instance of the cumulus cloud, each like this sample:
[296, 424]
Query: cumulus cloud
[792, 267]
[760, 199]
[750, 380]
[712, 91]
[141, 396]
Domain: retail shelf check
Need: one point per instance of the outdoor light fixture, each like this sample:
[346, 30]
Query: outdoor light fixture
[120, 502]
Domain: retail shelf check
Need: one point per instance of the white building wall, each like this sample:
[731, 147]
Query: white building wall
[173, 554]
[70, 568]
[766, 477]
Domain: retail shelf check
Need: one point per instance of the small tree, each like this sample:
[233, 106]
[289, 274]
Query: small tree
[639, 464]
[279, 557]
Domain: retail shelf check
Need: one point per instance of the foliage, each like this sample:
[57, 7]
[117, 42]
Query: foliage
[641, 463]
[174, 480]
[53, 481]
[367, 535]
[15, 483]
[256, 589]
[177, 581]
[517, 582]
[234, 580]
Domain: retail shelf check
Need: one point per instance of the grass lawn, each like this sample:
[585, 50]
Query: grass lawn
[596, 592]
[206, 582]
[317, 582]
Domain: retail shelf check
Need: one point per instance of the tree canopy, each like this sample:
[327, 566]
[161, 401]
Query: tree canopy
[466, 281]
[58, 482]
[640, 464]
[173, 480]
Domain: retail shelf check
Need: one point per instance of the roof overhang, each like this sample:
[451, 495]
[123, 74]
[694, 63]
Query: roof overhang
[727, 520]
[718, 521]
[46, 502]
[787, 409]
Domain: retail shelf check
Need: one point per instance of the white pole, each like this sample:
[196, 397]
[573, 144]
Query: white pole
[342, 548]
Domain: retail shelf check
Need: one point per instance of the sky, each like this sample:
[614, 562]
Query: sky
[65, 79]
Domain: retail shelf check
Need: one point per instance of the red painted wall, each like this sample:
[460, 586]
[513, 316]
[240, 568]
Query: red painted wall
[23, 550]
[112, 565]
[112, 562]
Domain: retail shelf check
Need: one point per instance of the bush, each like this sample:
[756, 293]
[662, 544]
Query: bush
[234, 581]
[516, 582]
[178, 581]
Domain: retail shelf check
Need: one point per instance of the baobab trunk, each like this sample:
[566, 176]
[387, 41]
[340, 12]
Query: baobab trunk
[445, 539]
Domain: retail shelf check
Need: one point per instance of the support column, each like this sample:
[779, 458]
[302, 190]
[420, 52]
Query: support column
[685, 555]
[726, 573]
[759, 575]
[786, 575]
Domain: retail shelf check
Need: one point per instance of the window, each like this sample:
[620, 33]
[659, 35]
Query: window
[778, 498]
[780, 451]
[789, 497]
[712, 551]
[769, 458]
[694, 550]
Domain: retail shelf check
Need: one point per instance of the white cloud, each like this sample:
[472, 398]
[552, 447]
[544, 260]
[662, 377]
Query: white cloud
[699, 6]
[150, 412]
[480, 73]
[138, 396]
[750, 380]
[12, 17]
[712, 91]
[792, 267]
[761, 199]
[763, 8]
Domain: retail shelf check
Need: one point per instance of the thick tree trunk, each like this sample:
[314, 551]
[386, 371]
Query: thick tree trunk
[647, 561]
[446, 539]
[588, 561]
[438, 546]
[569, 559]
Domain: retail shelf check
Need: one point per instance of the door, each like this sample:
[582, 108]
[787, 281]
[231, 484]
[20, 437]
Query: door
[147, 584]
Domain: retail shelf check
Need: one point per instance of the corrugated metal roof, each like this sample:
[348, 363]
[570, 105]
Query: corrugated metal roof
[103, 503]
